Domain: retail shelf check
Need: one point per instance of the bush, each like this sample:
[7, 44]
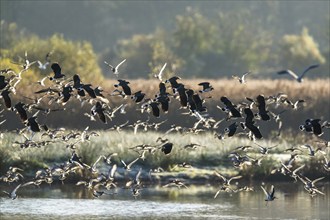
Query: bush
[299, 50]
[73, 56]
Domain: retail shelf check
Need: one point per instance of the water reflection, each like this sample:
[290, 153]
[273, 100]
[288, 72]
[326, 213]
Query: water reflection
[65, 201]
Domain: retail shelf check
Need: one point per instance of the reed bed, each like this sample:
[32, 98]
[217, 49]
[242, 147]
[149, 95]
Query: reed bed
[205, 159]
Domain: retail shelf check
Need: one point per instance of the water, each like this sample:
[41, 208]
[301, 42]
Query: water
[71, 202]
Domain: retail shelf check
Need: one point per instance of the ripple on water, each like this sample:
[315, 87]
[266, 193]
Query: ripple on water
[102, 209]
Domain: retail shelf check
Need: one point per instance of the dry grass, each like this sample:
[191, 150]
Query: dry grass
[309, 89]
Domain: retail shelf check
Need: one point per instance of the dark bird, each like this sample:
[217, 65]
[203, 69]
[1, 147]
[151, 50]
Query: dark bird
[99, 111]
[155, 109]
[231, 129]
[21, 111]
[164, 102]
[234, 113]
[6, 98]
[198, 103]
[76, 159]
[295, 76]
[261, 104]
[57, 71]
[270, 196]
[3, 82]
[312, 125]
[89, 90]
[254, 129]
[32, 124]
[138, 96]
[124, 85]
[167, 148]
[12, 195]
[173, 81]
[66, 94]
[249, 116]
[206, 87]
[162, 90]
[78, 85]
[181, 90]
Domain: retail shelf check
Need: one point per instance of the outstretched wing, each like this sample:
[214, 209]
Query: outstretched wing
[290, 72]
[308, 69]
[120, 64]
[266, 193]
[272, 191]
[160, 74]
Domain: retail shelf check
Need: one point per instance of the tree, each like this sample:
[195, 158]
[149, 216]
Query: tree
[299, 50]
[74, 57]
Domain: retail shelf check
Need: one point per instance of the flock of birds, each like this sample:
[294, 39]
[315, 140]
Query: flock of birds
[61, 90]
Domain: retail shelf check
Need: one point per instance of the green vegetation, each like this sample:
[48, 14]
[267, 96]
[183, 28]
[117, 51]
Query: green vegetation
[196, 39]
[211, 155]
[74, 57]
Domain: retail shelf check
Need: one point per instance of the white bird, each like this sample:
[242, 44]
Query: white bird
[128, 167]
[241, 79]
[295, 76]
[160, 74]
[41, 65]
[115, 69]
[226, 181]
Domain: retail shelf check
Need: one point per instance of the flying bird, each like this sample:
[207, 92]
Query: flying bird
[12, 195]
[57, 71]
[115, 69]
[160, 74]
[270, 196]
[295, 76]
[241, 79]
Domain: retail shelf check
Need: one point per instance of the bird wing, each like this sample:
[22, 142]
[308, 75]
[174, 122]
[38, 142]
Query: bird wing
[307, 146]
[272, 190]
[234, 178]
[160, 74]
[308, 69]
[290, 72]
[112, 171]
[318, 191]
[120, 64]
[316, 180]
[123, 162]
[221, 176]
[299, 168]
[217, 193]
[108, 64]
[131, 164]
[17, 187]
[244, 75]
[138, 175]
[98, 159]
[266, 193]
[235, 77]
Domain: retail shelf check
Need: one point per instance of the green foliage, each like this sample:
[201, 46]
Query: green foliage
[74, 57]
[299, 50]
[13, 34]
[199, 46]
[243, 44]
